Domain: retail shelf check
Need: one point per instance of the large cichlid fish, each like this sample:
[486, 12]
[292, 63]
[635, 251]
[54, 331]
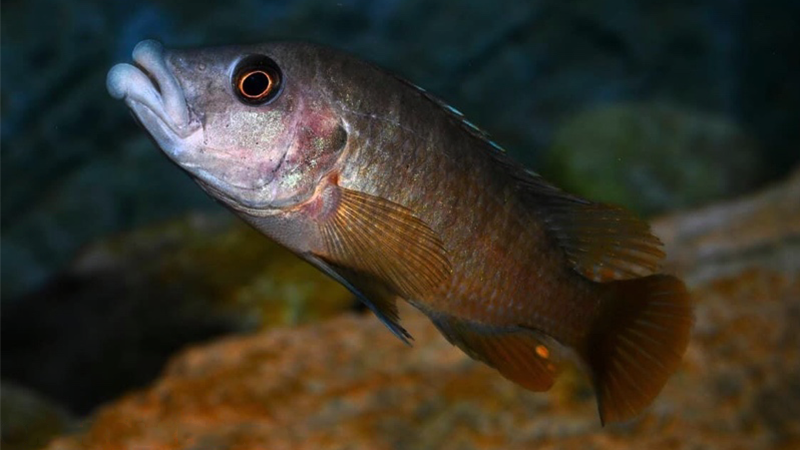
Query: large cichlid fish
[395, 195]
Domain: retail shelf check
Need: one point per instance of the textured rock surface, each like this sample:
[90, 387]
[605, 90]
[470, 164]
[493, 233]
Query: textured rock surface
[761, 231]
[348, 383]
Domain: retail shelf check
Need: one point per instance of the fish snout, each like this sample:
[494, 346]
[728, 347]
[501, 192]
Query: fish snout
[151, 83]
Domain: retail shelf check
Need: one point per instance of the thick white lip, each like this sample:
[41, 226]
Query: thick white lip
[154, 95]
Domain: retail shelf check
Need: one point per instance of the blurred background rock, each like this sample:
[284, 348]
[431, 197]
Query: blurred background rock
[112, 259]
[348, 384]
[653, 157]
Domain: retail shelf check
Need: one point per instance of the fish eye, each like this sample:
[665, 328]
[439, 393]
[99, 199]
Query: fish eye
[257, 80]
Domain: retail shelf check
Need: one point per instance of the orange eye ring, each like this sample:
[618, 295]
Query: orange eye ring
[257, 80]
[256, 84]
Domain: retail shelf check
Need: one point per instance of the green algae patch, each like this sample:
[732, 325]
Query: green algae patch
[652, 157]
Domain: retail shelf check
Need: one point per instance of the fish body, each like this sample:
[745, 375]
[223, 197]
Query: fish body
[394, 194]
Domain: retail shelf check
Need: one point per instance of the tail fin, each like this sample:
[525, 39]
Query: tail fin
[637, 343]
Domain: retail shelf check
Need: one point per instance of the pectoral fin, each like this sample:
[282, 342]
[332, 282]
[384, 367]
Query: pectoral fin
[386, 241]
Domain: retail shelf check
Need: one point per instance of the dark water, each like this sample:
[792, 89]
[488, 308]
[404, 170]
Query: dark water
[690, 91]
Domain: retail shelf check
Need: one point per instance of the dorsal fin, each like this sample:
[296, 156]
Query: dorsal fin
[456, 115]
[602, 242]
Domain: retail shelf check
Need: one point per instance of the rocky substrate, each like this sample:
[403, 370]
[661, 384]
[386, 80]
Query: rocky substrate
[347, 383]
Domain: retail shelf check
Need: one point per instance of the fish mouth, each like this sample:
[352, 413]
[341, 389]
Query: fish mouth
[154, 95]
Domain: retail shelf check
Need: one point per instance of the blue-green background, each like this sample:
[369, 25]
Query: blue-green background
[76, 168]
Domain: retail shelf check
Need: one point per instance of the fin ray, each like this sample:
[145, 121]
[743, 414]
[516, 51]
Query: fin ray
[637, 343]
[383, 306]
[371, 235]
[602, 242]
[513, 351]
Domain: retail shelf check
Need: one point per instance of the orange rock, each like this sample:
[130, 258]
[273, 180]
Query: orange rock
[348, 383]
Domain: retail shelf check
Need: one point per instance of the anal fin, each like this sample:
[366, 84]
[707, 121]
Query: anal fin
[522, 355]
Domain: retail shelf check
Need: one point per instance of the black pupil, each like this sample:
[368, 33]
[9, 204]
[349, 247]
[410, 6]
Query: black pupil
[256, 80]
[255, 84]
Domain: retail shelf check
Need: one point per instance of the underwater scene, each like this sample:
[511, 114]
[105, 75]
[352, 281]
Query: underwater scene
[400, 224]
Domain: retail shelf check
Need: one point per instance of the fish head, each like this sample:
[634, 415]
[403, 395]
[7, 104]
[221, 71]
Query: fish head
[249, 123]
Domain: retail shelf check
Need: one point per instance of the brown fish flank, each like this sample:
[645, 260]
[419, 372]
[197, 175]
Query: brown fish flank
[392, 193]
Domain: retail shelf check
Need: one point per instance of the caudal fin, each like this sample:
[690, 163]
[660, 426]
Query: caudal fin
[637, 343]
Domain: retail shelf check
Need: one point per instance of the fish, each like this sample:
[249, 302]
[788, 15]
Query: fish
[397, 196]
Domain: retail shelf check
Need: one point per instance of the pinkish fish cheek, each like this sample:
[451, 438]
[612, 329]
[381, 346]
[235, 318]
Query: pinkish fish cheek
[321, 134]
[317, 145]
[310, 164]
